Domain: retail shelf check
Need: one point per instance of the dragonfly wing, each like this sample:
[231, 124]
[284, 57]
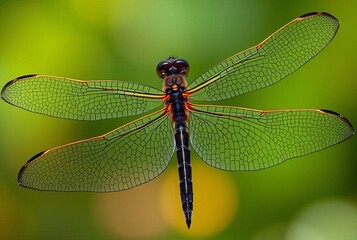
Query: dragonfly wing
[124, 158]
[276, 57]
[80, 100]
[233, 138]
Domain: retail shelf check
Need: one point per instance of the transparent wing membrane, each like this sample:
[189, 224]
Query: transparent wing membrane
[124, 158]
[80, 100]
[280, 54]
[233, 138]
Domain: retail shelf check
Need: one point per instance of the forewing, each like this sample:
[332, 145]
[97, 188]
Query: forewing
[80, 100]
[233, 138]
[279, 55]
[124, 158]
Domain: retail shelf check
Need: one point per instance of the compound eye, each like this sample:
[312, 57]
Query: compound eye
[162, 68]
[182, 66]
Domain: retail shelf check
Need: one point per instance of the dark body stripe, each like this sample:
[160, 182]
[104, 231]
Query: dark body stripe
[179, 116]
[185, 173]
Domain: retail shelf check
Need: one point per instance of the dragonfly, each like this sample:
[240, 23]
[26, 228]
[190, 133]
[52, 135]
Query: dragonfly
[225, 137]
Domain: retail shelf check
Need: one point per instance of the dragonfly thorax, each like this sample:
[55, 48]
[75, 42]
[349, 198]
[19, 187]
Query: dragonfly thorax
[174, 82]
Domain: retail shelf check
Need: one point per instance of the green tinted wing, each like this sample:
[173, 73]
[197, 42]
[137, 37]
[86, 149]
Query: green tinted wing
[233, 138]
[276, 57]
[124, 158]
[80, 100]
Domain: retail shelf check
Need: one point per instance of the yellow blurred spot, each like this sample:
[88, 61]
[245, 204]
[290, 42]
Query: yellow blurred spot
[131, 214]
[215, 200]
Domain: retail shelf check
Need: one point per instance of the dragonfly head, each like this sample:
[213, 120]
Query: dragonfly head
[172, 66]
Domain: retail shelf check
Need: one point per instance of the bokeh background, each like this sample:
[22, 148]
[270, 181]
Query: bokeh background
[312, 197]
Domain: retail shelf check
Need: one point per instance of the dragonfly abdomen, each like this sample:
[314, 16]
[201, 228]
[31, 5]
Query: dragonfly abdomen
[185, 172]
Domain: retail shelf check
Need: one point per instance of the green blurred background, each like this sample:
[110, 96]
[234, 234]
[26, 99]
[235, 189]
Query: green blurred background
[312, 197]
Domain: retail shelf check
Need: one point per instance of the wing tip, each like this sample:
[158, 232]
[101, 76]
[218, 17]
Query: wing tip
[311, 14]
[9, 83]
[26, 76]
[24, 167]
[344, 119]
